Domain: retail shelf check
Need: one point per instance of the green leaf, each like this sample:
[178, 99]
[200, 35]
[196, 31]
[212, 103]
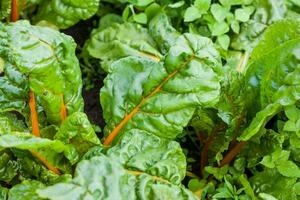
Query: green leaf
[293, 113]
[140, 3]
[235, 2]
[78, 131]
[3, 193]
[243, 14]
[218, 28]
[273, 183]
[140, 18]
[53, 70]
[162, 32]
[5, 9]
[27, 141]
[157, 156]
[289, 169]
[8, 167]
[115, 182]
[219, 12]
[191, 14]
[248, 189]
[121, 40]
[66, 13]
[235, 26]
[10, 123]
[277, 84]
[202, 5]
[223, 41]
[176, 4]
[161, 97]
[25, 191]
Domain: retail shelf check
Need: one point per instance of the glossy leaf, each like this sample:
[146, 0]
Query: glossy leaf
[27, 141]
[65, 13]
[277, 84]
[161, 97]
[115, 183]
[78, 131]
[141, 151]
[121, 40]
[53, 74]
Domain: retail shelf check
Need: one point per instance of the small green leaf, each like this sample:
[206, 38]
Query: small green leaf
[223, 41]
[218, 28]
[140, 18]
[297, 188]
[176, 5]
[191, 14]
[243, 14]
[289, 169]
[268, 161]
[265, 196]
[292, 112]
[235, 26]
[202, 5]
[219, 12]
[140, 3]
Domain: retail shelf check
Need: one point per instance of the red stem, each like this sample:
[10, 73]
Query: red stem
[208, 142]
[232, 153]
[14, 11]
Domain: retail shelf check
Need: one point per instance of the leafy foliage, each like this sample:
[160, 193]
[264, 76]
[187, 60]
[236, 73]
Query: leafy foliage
[200, 99]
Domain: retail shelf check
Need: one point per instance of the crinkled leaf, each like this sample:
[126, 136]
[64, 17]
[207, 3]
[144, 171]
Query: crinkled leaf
[141, 151]
[161, 97]
[78, 131]
[65, 13]
[102, 178]
[271, 182]
[8, 166]
[162, 32]
[25, 191]
[121, 40]
[3, 193]
[53, 73]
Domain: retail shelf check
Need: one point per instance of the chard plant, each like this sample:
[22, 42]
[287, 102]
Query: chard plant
[199, 99]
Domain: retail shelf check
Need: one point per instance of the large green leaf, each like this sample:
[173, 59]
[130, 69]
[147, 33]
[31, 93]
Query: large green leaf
[160, 97]
[65, 13]
[121, 40]
[273, 74]
[47, 59]
[102, 178]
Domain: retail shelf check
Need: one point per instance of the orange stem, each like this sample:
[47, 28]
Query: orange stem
[232, 153]
[63, 111]
[36, 132]
[129, 116]
[34, 115]
[45, 162]
[14, 11]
